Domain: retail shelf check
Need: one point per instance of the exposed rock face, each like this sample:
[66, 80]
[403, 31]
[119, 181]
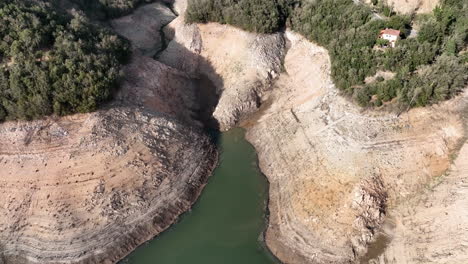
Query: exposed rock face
[142, 27]
[433, 227]
[246, 69]
[242, 65]
[410, 6]
[90, 188]
[334, 170]
[160, 88]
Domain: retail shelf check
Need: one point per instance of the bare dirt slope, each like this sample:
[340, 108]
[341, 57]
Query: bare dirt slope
[409, 6]
[413, 6]
[90, 188]
[160, 88]
[241, 65]
[433, 227]
[336, 171]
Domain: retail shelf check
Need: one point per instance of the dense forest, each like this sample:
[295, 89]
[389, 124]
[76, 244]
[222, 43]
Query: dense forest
[429, 68]
[53, 63]
[262, 16]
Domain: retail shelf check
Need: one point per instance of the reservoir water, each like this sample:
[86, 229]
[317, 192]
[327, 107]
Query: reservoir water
[225, 225]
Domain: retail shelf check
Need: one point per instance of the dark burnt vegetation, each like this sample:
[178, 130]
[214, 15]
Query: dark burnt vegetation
[53, 63]
[429, 68]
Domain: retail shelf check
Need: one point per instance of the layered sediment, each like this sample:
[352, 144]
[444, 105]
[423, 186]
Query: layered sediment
[90, 188]
[241, 65]
[336, 171]
[432, 227]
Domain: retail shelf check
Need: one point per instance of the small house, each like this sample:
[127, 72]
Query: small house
[392, 35]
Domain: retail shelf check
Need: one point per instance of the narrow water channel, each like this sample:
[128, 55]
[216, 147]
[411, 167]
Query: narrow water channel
[225, 226]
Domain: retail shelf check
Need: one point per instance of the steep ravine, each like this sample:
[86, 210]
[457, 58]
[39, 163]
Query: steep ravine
[90, 188]
[336, 171]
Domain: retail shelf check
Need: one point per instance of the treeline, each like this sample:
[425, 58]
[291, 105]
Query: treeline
[429, 68]
[261, 16]
[53, 64]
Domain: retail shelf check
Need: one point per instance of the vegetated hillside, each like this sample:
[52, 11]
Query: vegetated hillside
[262, 16]
[105, 9]
[429, 68]
[53, 64]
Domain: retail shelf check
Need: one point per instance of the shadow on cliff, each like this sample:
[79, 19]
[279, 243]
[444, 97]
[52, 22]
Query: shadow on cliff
[208, 84]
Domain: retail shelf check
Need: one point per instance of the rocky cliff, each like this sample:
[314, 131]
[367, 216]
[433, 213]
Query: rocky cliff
[336, 171]
[90, 188]
[241, 65]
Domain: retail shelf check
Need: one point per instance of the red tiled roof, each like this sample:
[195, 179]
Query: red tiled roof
[390, 31]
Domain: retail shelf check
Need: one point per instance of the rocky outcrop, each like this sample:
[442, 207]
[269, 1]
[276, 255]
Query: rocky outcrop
[160, 88]
[90, 188]
[334, 169]
[241, 65]
[413, 6]
[432, 227]
[409, 6]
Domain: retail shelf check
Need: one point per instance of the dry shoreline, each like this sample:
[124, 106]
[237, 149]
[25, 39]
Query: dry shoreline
[336, 173]
[90, 188]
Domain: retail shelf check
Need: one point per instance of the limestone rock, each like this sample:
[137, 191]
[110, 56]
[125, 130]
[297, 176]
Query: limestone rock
[242, 65]
[90, 188]
[334, 169]
[436, 227]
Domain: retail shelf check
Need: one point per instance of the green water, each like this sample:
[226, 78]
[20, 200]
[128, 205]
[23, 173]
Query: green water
[225, 225]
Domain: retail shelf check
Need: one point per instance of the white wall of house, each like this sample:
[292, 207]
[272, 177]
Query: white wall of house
[390, 37]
